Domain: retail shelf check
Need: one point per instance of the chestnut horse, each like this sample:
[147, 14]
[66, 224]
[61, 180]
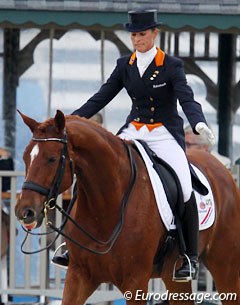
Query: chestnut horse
[121, 251]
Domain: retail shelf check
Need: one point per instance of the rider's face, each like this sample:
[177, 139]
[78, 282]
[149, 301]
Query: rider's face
[144, 41]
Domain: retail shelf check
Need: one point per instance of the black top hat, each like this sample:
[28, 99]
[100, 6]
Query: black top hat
[142, 20]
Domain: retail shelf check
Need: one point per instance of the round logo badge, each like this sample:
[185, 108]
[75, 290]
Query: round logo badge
[202, 205]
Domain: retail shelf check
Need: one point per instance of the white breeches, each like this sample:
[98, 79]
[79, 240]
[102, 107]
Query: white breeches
[166, 147]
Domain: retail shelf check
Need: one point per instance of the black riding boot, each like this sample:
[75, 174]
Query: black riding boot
[189, 269]
[61, 260]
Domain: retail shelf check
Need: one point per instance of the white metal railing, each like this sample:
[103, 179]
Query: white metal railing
[34, 275]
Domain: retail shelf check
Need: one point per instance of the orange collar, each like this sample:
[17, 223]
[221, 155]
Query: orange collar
[159, 58]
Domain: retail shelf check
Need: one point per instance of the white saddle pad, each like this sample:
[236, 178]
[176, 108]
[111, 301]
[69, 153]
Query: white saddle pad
[206, 206]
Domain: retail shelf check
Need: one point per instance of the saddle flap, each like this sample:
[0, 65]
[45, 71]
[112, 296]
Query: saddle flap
[169, 179]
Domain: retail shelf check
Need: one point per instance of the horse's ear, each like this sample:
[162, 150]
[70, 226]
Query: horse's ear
[59, 120]
[31, 123]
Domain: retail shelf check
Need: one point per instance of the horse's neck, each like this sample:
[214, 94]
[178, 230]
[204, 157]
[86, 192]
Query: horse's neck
[96, 178]
[101, 177]
[101, 174]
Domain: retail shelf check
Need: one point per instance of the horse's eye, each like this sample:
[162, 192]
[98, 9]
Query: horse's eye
[52, 159]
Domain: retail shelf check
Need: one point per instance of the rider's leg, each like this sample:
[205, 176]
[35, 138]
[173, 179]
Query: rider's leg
[189, 270]
[170, 151]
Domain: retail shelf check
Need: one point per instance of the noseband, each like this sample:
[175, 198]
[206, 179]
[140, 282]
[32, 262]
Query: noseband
[52, 192]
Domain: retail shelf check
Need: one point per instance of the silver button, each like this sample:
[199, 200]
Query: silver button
[152, 108]
[151, 120]
[137, 119]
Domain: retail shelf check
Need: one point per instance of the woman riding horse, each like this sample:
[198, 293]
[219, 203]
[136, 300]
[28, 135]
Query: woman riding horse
[154, 82]
[113, 229]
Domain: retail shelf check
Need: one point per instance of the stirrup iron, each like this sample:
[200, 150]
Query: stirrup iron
[185, 279]
[61, 245]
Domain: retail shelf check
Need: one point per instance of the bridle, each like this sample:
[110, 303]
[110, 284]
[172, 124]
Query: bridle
[53, 193]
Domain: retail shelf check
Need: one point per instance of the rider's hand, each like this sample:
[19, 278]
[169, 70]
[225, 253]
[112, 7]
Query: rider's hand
[205, 131]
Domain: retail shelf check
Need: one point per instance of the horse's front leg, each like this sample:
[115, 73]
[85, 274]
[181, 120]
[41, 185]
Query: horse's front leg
[77, 287]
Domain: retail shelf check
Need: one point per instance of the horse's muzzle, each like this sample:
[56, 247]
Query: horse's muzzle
[28, 217]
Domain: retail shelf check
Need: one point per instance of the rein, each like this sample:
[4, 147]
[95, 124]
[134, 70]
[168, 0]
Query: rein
[117, 230]
[53, 229]
[53, 192]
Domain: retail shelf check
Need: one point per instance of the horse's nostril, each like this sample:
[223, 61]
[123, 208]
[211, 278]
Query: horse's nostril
[28, 213]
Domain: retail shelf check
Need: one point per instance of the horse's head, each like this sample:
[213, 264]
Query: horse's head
[48, 169]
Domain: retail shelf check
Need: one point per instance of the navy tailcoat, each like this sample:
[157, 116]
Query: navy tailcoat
[154, 95]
